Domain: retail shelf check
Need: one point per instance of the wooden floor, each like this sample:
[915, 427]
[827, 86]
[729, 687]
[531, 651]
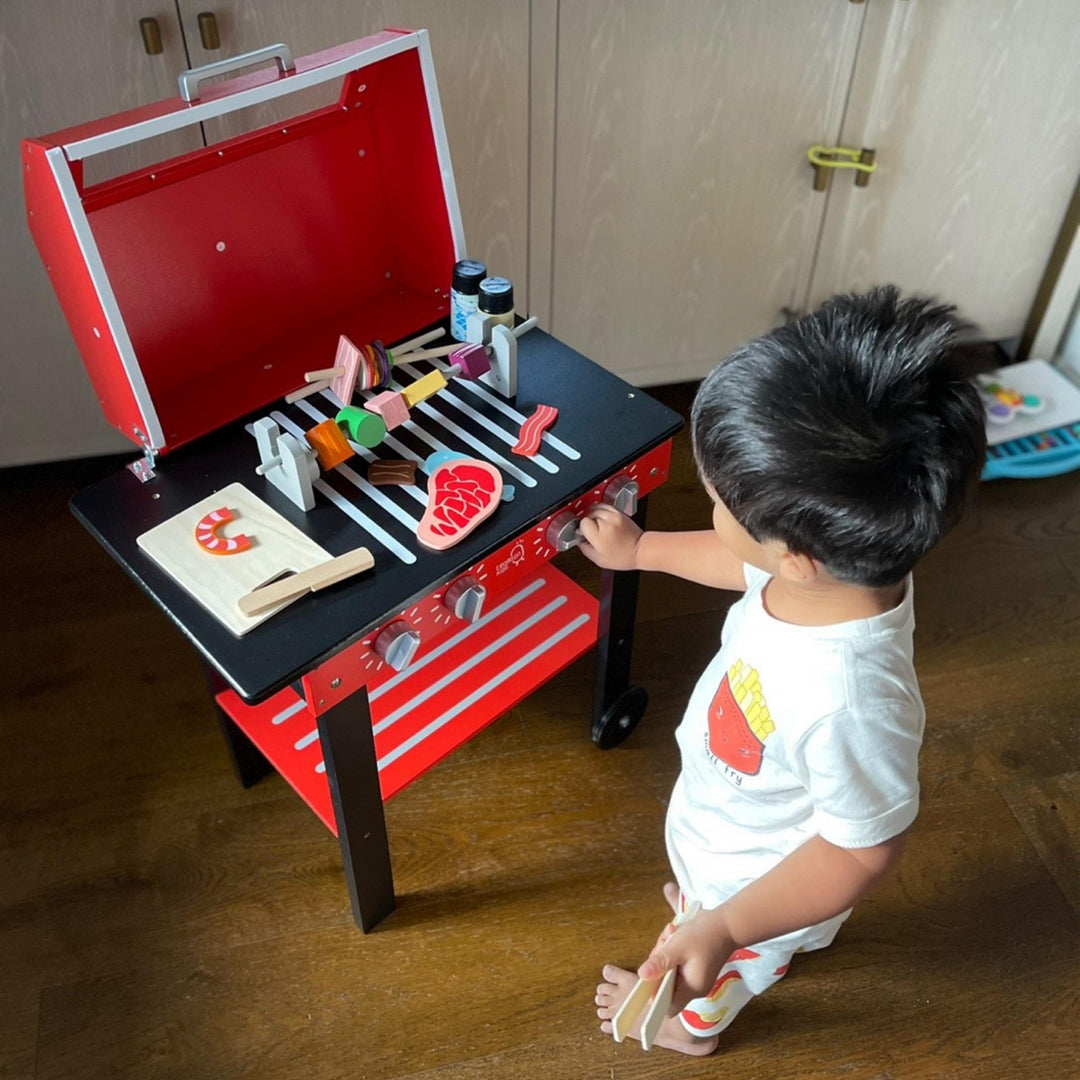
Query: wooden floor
[157, 920]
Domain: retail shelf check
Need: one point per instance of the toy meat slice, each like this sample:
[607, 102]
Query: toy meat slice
[461, 493]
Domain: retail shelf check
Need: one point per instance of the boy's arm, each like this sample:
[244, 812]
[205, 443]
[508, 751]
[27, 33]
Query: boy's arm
[614, 541]
[815, 882]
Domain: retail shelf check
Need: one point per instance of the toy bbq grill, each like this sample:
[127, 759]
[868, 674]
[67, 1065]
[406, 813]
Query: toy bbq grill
[203, 292]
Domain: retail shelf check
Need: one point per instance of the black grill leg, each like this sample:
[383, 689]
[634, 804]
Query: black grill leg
[247, 760]
[348, 747]
[615, 642]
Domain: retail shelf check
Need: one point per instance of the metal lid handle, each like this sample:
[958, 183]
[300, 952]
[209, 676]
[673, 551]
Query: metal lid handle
[189, 80]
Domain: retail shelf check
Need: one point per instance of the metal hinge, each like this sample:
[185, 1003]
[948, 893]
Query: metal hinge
[143, 467]
[825, 158]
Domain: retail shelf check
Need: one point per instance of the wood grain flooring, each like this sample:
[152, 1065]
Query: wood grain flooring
[158, 921]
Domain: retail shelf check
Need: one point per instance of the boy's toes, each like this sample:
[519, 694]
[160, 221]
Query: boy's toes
[610, 995]
[621, 978]
[606, 1027]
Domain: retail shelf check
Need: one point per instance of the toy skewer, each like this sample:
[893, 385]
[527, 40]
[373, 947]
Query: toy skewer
[307, 391]
[650, 999]
[416, 342]
[427, 354]
[525, 327]
[317, 577]
[323, 373]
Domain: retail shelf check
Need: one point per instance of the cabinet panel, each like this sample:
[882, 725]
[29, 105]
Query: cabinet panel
[684, 217]
[481, 53]
[64, 62]
[974, 111]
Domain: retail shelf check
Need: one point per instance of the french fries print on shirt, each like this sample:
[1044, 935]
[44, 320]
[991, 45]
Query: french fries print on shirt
[739, 722]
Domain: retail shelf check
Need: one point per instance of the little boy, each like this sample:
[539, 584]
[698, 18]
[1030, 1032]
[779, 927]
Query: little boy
[837, 450]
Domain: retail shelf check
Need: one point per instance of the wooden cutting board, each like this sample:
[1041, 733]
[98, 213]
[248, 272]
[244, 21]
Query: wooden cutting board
[218, 581]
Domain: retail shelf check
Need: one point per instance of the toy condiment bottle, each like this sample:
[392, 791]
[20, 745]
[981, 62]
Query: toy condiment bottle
[497, 300]
[464, 294]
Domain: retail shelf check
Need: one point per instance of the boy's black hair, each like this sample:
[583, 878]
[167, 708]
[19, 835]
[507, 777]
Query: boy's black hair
[847, 434]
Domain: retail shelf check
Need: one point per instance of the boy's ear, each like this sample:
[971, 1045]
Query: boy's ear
[797, 567]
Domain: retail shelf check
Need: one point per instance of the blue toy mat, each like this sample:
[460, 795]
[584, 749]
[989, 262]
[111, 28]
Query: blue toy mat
[1032, 421]
[1047, 453]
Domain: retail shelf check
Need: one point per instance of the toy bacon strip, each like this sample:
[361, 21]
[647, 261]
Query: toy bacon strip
[206, 533]
[462, 492]
[533, 429]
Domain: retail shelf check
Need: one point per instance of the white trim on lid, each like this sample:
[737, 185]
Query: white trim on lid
[200, 111]
[100, 280]
[442, 144]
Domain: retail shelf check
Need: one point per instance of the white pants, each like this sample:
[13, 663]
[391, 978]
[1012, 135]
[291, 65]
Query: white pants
[749, 972]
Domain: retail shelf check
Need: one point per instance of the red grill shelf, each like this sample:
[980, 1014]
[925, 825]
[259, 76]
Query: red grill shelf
[445, 697]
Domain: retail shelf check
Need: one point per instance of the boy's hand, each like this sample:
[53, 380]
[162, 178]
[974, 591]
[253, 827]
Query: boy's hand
[698, 948]
[609, 538]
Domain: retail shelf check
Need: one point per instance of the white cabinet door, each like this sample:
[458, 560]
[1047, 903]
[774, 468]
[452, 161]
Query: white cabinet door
[973, 110]
[481, 53]
[684, 220]
[64, 62]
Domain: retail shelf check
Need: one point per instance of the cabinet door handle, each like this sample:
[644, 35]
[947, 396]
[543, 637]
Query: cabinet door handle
[824, 158]
[189, 80]
[208, 30]
[151, 36]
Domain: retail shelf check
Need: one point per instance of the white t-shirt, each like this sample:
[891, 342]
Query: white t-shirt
[791, 732]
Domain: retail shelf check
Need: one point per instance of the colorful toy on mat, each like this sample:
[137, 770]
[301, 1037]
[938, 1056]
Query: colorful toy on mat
[532, 431]
[382, 473]
[433, 461]
[1003, 403]
[391, 407]
[469, 361]
[462, 493]
[370, 367]
[208, 534]
[1032, 421]
[329, 443]
[366, 428]
[367, 368]
[423, 388]
[490, 356]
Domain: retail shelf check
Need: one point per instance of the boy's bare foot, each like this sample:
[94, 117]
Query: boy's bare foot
[611, 994]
